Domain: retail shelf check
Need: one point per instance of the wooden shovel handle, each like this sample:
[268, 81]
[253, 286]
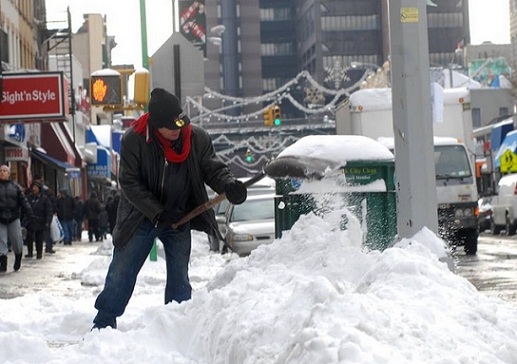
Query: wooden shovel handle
[212, 202]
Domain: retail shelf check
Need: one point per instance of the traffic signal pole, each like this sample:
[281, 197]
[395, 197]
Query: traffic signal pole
[412, 118]
[143, 33]
[153, 255]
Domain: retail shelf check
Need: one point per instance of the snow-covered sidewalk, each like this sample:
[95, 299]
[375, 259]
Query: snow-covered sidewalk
[314, 296]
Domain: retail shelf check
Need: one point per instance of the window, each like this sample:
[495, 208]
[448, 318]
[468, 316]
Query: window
[4, 47]
[350, 23]
[277, 49]
[451, 161]
[254, 210]
[476, 117]
[503, 111]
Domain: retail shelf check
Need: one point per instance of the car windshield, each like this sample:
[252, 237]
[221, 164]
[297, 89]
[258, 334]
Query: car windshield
[254, 210]
[220, 208]
[451, 161]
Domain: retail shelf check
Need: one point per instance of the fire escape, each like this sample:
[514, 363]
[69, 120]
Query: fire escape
[59, 50]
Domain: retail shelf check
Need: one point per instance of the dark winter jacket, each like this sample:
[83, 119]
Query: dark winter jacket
[79, 211]
[92, 208]
[41, 212]
[65, 207]
[142, 166]
[111, 209]
[13, 202]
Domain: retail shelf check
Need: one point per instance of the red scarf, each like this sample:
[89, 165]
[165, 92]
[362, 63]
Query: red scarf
[140, 126]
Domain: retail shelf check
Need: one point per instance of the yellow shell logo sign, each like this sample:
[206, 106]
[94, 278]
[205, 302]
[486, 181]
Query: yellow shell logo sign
[99, 90]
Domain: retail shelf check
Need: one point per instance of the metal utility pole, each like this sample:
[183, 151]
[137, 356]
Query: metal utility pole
[173, 16]
[143, 32]
[412, 118]
[153, 255]
[72, 86]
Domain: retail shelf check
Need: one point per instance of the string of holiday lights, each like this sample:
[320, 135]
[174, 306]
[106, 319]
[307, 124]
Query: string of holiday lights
[271, 98]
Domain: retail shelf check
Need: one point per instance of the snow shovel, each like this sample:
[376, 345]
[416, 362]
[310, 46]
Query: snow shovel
[214, 201]
[305, 167]
[301, 167]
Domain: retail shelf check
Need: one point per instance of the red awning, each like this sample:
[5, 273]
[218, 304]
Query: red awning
[57, 142]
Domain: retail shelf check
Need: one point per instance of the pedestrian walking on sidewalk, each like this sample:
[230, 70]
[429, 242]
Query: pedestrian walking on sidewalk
[78, 218]
[13, 203]
[111, 209]
[65, 207]
[103, 223]
[92, 210]
[164, 165]
[41, 217]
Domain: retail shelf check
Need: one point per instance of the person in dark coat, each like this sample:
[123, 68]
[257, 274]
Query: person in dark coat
[78, 218]
[92, 210]
[164, 165]
[111, 209]
[13, 203]
[65, 207]
[41, 218]
[103, 222]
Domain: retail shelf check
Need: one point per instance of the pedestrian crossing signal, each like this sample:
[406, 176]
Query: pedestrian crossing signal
[106, 89]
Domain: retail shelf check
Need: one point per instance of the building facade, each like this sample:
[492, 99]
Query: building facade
[260, 54]
[58, 152]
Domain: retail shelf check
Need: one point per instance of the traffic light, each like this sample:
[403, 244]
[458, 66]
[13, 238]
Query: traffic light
[277, 115]
[268, 117]
[249, 156]
[106, 88]
[141, 91]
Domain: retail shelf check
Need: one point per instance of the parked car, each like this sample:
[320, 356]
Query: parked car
[504, 206]
[264, 186]
[250, 224]
[485, 213]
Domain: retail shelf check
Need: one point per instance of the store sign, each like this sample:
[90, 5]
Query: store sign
[101, 169]
[15, 133]
[35, 96]
[13, 154]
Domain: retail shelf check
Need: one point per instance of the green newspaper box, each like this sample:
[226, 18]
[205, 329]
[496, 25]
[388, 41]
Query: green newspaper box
[369, 191]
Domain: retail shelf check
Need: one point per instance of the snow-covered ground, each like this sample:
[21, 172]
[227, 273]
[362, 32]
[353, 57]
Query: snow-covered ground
[314, 296]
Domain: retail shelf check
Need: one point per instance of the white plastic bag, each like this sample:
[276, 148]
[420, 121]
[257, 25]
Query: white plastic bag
[56, 230]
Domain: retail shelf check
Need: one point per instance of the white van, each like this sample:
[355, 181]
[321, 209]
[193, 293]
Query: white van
[456, 192]
[504, 206]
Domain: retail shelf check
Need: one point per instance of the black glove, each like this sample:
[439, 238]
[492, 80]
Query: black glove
[236, 192]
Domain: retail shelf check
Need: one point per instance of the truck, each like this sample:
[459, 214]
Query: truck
[368, 112]
[504, 206]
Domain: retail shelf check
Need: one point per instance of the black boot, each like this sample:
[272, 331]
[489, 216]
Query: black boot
[3, 263]
[30, 247]
[17, 261]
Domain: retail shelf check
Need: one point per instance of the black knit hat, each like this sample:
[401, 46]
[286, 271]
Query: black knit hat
[165, 110]
[37, 184]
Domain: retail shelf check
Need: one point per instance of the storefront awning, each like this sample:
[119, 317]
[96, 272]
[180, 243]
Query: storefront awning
[56, 142]
[51, 160]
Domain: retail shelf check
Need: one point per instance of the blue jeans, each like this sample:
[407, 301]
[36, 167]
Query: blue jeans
[68, 229]
[127, 262]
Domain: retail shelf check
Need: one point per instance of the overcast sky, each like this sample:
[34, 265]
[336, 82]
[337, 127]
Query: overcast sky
[489, 22]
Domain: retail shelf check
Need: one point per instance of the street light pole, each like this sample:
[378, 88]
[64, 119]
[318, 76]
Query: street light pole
[173, 16]
[412, 118]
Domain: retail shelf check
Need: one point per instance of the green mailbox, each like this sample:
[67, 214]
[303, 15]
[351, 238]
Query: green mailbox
[369, 191]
